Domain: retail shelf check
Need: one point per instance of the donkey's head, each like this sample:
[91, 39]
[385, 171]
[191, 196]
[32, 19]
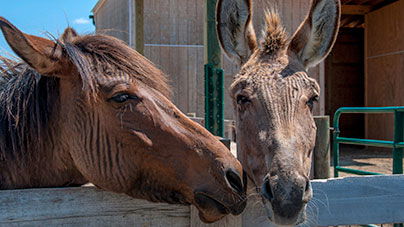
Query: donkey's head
[273, 99]
[116, 124]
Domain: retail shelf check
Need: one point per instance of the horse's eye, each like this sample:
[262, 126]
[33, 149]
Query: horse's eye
[311, 102]
[241, 99]
[123, 97]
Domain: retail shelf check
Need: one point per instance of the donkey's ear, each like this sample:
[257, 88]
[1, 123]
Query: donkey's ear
[235, 29]
[42, 54]
[316, 36]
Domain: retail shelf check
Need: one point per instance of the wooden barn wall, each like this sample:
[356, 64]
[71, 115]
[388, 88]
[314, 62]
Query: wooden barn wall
[384, 66]
[174, 40]
[112, 19]
[173, 36]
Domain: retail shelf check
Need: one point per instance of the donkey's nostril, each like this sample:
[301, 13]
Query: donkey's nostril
[234, 181]
[307, 188]
[266, 190]
[307, 194]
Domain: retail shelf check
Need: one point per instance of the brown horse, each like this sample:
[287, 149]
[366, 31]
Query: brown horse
[273, 99]
[90, 109]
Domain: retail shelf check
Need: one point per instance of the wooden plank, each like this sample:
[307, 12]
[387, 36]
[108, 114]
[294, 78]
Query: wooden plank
[86, 206]
[182, 78]
[228, 221]
[199, 23]
[139, 26]
[172, 27]
[173, 69]
[165, 63]
[345, 201]
[164, 22]
[200, 85]
[192, 79]
[355, 9]
[374, 200]
[321, 153]
[151, 22]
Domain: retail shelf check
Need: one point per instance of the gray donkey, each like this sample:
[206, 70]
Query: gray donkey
[273, 99]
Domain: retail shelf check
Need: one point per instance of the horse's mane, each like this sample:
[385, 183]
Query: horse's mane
[26, 103]
[28, 99]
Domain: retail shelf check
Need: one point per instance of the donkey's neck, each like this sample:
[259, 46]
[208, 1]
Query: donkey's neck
[32, 153]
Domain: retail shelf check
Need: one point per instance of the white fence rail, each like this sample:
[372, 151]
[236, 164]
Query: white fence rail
[343, 201]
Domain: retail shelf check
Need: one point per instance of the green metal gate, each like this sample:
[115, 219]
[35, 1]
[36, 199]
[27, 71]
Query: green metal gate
[396, 145]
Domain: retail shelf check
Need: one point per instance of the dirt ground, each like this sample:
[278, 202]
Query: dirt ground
[363, 158]
[368, 159]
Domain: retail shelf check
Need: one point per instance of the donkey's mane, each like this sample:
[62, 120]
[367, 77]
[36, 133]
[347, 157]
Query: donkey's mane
[28, 99]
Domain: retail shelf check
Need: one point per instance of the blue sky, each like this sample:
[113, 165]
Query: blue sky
[40, 16]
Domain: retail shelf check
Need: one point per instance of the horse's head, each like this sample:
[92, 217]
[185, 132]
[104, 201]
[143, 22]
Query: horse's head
[273, 99]
[118, 126]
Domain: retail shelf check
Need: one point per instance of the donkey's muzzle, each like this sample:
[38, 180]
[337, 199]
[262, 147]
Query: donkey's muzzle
[287, 197]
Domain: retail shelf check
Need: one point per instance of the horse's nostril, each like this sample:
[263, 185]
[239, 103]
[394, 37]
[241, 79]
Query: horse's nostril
[234, 181]
[266, 190]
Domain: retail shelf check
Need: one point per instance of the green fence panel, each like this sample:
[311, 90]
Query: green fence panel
[396, 145]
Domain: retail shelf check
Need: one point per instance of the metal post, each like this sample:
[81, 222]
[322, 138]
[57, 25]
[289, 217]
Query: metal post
[214, 75]
[398, 152]
[398, 137]
[335, 147]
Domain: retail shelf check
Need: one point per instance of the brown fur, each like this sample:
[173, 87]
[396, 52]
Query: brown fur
[63, 123]
[273, 97]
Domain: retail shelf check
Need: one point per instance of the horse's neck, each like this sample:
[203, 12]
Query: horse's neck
[50, 166]
[31, 149]
[39, 172]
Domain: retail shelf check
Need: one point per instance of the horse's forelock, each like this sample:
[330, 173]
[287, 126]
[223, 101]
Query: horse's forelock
[91, 53]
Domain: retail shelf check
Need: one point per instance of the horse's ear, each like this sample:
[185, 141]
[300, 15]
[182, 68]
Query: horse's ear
[316, 36]
[68, 35]
[42, 54]
[235, 29]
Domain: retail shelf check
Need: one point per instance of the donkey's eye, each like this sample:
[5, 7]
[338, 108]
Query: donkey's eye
[123, 97]
[241, 99]
[311, 101]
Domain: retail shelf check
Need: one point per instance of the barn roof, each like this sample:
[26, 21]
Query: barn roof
[353, 11]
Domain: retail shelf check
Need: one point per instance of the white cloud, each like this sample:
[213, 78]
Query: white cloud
[81, 21]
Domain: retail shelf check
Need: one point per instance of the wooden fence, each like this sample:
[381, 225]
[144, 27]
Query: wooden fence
[342, 201]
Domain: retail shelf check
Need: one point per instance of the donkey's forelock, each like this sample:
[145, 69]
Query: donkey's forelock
[274, 36]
